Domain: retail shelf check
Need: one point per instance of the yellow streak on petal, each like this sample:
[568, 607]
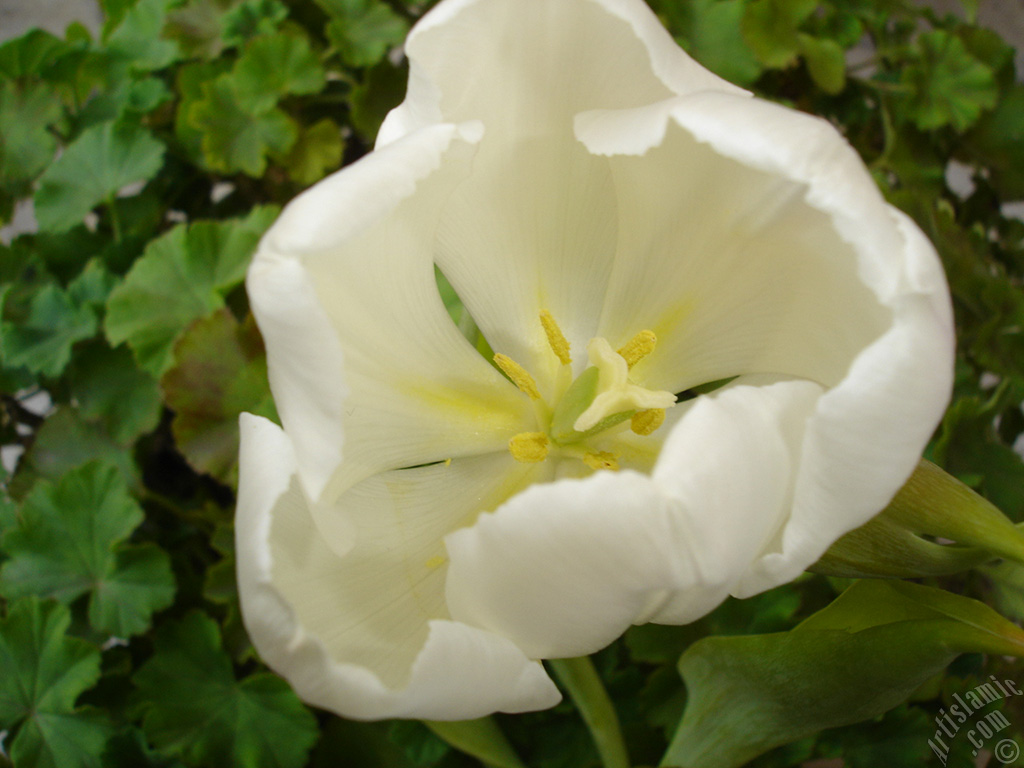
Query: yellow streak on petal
[645, 422]
[529, 447]
[436, 561]
[601, 460]
[559, 344]
[518, 374]
[639, 347]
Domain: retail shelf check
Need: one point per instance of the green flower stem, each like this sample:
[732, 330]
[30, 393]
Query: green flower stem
[481, 738]
[588, 693]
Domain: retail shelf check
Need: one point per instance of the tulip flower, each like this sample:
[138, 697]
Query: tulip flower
[626, 230]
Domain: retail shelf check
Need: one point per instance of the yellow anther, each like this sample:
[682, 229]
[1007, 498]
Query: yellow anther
[529, 447]
[518, 374]
[436, 561]
[639, 347]
[559, 344]
[645, 422]
[601, 460]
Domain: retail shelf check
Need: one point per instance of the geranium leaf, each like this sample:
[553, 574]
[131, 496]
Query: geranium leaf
[859, 657]
[825, 61]
[711, 29]
[196, 709]
[251, 18]
[949, 85]
[42, 673]
[43, 342]
[273, 66]
[317, 152]
[363, 30]
[26, 145]
[220, 371]
[111, 390]
[235, 137]
[70, 541]
[104, 159]
[136, 39]
[770, 29]
[180, 277]
[64, 442]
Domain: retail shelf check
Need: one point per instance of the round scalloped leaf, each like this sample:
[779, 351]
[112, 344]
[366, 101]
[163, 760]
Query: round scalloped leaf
[69, 541]
[194, 708]
[42, 673]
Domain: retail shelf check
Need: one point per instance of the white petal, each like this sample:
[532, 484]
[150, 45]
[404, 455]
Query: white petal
[757, 241]
[368, 635]
[762, 245]
[866, 434]
[358, 341]
[607, 53]
[534, 226]
[562, 569]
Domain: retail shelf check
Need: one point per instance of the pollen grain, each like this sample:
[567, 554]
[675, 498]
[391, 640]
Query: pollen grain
[519, 375]
[529, 447]
[645, 422]
[556, 339]
[639, 347]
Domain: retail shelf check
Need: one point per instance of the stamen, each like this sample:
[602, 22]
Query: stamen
[518, 374]
[436, 561]
[559, 344]
[601, 460]
[645, 422]
[639, 347]
[529, 447]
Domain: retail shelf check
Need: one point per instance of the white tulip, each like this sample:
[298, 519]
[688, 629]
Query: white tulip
[623, 226]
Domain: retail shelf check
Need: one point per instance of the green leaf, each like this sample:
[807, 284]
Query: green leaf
[931, 503]
[252, 18]
[317, 152]
[43, 342]
[42, 673]
[482, 738]
[26, 144]
[65, 442]
[826, 62]
[136, 40]
[380, 92]
[770, 28]
[29, 54]
[111, 390]
[196, 28]
[711, 34]
[273, 66]
[363, 30]
[92, 169]
[859, 657]
[949, 86]
[997, 142]
[195, 708]
[181, 277]
[70, 541]
[220, 371]
[234, 138]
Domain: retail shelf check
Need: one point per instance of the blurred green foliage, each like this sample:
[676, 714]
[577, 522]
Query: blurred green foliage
[157, 154]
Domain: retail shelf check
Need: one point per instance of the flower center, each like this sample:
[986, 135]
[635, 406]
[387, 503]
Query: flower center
[599, 399]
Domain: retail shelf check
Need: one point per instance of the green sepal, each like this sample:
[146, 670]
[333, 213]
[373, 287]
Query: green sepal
[482, 738]
[932, 503]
